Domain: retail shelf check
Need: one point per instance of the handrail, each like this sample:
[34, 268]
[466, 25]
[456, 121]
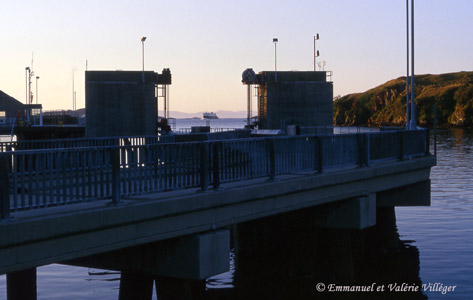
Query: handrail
[46, 177]
[84, 142]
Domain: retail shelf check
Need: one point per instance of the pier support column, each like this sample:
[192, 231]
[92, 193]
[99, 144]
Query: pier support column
[357, 213]
[168, 288]
[135, 286]
[21, 285]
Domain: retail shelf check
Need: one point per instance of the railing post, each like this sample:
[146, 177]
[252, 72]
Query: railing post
[216, 165]
[361, 149]
[401, 145]
[115, 160]
[319, 152]
[427, 142]
[4, 188]
[364, 149]
[204, 166]
[272, 159]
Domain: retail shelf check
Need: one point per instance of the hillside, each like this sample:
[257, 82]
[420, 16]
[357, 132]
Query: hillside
[385, 105]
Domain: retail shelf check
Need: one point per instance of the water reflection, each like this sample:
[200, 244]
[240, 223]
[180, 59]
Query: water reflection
[293, 262]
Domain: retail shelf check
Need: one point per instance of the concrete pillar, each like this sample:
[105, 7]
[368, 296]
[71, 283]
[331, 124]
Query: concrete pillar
[334, 259]
[355, 213]
[275, 260]
[135, 285]
[386, 230]
[21, 285]
[168, 288]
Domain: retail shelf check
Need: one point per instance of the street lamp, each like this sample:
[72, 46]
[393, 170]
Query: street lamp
[143, 39]
[37, 77]
[316, 53]
[413, 124]
[27, 70]
[275, 41]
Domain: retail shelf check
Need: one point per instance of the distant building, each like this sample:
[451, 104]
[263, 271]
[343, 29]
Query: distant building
[293, 98]
[122, 103]
[9, 107]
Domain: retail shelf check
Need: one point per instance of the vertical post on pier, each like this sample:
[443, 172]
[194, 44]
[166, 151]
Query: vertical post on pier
[367, 147]
[272, 159]
[363, 141]
[204, 166]
[22, 285]
[401, 145]
[319, 153]
[216, 165]
[4, 188]
[427, 142]
[115, 160]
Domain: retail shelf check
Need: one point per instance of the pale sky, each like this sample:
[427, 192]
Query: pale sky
[207, 44]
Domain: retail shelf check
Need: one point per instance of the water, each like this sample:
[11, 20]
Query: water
[442, 233]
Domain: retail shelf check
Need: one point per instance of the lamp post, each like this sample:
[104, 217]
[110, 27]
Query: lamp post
[275, 41]
[407, 69]
[143, 39]
[316, 53]
[37, 77]
[413, 105]
[30, 93]
[27, 70]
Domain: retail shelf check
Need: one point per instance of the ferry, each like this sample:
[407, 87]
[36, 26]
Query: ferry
[209, 115]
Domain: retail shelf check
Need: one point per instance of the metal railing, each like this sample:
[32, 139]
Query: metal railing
[85, 142]
[40, 178]
[212, 130]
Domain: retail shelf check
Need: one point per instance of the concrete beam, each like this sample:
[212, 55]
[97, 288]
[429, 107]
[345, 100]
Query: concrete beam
[357, 213]
[194, 257]
[417, 194]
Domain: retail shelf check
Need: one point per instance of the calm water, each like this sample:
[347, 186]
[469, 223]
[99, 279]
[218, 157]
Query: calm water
[442, 233]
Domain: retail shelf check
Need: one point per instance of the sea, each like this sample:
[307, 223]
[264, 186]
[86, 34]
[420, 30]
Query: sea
[440, 237]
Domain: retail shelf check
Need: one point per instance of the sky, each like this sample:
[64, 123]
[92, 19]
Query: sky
[207, 44]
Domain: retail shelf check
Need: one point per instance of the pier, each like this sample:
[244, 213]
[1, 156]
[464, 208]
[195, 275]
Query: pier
[166, 212]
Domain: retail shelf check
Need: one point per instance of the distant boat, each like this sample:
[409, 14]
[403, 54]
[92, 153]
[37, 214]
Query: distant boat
[209, 115]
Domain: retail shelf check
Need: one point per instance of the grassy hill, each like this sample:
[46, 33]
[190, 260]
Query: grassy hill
[385, 105]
